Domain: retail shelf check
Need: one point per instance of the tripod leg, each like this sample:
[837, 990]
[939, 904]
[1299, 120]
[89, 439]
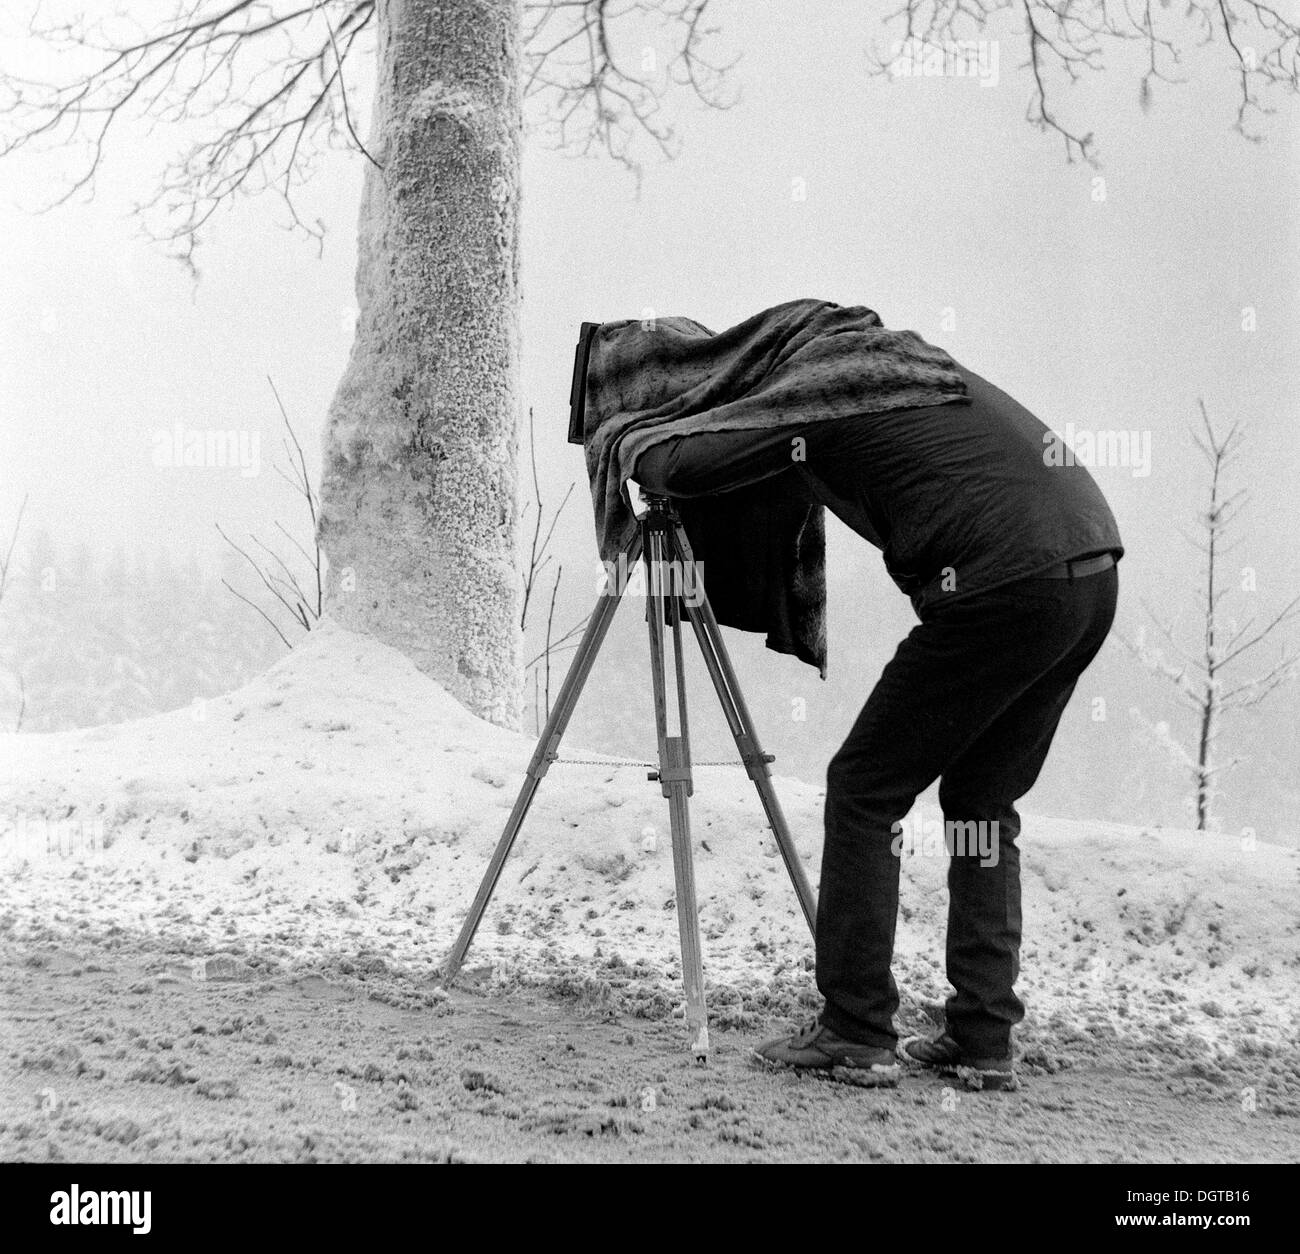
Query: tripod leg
[548, 746]
[722, 673]
[675, 780]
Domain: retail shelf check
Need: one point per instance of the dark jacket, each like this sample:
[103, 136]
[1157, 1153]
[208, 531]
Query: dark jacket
[960, 498]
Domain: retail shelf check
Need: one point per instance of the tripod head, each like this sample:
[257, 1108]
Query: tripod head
[644, 503]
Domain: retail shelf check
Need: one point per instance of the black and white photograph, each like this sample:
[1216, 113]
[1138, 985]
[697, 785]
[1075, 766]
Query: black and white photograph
[646, 582]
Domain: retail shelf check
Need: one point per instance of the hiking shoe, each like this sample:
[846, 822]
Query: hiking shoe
[817, 1049]
[941, 1053]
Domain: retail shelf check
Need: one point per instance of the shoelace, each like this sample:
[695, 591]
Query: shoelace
[810, 1029]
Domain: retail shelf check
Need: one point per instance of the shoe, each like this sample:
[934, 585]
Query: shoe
[941, 1053]
[817, 1049]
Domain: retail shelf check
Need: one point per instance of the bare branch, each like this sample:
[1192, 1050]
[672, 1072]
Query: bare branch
[9, 549]
[1285, 614]
[537, 555]
[1253, 691]
[262, 612]
[1154, 660]
[563, 642]
[267, 582]
[550, 619]
[262, 79]
[589, 97]
[343, 92]
[269, 88]
[1065, 39]
[303, 485]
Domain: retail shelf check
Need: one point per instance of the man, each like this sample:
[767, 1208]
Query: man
[1008, 555]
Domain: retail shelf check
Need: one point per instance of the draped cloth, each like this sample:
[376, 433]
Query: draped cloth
[761, 546]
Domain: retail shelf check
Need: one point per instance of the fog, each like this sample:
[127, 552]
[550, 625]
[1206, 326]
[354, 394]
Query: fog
[1110, 299]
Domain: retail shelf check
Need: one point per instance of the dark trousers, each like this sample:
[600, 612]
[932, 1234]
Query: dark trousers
[972, 698]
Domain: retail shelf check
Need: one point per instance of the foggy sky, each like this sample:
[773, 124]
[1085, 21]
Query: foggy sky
[922, 196]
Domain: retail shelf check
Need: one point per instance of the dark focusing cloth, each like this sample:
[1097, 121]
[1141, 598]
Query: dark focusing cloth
[805, 362]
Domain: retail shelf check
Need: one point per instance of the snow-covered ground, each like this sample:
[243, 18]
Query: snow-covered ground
[344, 804]
[220, 926]
[343, 801]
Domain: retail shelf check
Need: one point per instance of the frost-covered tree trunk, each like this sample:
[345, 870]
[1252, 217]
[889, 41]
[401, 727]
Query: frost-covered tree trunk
[418, 513]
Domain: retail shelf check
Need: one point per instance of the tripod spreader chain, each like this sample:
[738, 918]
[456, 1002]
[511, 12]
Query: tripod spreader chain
[661, 540]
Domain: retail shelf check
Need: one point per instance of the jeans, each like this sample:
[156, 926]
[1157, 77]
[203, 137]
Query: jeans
[972, 698]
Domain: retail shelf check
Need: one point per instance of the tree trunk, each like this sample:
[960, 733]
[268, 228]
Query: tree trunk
[418, 511]
[1203, 769]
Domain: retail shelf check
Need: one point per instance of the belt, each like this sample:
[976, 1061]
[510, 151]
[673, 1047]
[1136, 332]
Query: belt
[1078, 567]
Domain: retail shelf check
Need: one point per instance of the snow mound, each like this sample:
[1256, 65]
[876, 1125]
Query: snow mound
[344, 803]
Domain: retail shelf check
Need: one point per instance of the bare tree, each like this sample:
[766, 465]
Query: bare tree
[418, 497]
[262, 89]
[538, 557]
[278, 578]
[1198, 672]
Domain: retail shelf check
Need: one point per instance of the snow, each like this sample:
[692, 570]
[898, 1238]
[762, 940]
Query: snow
[343, 802]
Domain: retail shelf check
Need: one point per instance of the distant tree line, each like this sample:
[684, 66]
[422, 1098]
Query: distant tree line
[87, 639]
